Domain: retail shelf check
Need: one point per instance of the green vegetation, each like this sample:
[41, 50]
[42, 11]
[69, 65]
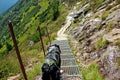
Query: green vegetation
[0, 45]
[36, 63]
[8, 46]
[118, 42]
[110, 26]
[26, 16]
[95, 4]
[100, 44]
[118, 1]
[91, 73]
[118, 61]
[99, 26]
[105, 15]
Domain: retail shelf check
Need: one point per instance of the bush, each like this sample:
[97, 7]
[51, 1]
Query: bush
[35, 38]
[0, 45]
[8, 46]
[3, 51]
[51, 13]
[101, 44]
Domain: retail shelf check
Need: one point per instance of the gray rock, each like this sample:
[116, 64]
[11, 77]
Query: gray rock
[109, 62]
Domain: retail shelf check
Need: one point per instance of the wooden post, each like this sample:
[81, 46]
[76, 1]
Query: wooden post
[17, 50]
[48, 35]
[40, 35]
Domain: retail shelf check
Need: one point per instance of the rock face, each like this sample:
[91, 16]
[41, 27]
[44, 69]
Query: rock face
[113, 35]
[108, 61]
[90, 29]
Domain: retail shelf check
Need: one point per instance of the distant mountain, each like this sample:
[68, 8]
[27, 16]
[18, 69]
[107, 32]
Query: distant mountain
[6, 4]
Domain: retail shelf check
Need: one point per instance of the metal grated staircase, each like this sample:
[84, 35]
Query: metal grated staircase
[68, 62]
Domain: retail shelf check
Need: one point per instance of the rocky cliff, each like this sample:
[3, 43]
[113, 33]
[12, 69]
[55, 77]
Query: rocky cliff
[95, 36]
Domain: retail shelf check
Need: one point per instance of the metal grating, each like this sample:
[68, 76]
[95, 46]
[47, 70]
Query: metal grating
[71, 78]
[65, 48]
[66, 53]
[66, 56]
[66, 62]
[70, 70]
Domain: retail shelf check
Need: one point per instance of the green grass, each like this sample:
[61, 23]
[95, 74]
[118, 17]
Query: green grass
[36, 58]
[91, 73]
[118, 42]
[118, 1]
[9, 66]
[100, 44]
[94, 4]
[36, 70]
[110, 26]
[105, 15]
[118, 61]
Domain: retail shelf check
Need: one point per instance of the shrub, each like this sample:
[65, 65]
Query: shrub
[52, 12]
[35, 38]
[8, 46]
[0, 45]
[3, 51]
[101, 43]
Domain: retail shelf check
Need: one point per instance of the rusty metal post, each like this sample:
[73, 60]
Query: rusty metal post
[17, 50]
[48, 34]
[40, 35]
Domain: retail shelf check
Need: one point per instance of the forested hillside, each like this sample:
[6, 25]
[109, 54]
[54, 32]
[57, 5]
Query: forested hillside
[26, 16]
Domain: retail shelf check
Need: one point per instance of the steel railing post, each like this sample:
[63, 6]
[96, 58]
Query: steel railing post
[40, 35]
[17, 50]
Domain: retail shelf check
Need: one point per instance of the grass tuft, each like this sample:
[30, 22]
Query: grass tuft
[105, 15]
[91, 73]
[101, 44]
[110, 26]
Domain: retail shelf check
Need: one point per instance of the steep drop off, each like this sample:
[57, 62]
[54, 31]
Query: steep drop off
[26, 15]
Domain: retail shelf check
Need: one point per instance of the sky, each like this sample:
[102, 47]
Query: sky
[6, 4]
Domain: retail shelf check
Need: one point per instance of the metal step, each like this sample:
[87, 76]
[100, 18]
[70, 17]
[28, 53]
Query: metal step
[66, 62]
[70, 70]
[66, 56]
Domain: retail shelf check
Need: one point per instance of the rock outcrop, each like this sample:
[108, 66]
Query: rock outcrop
[95, 36]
